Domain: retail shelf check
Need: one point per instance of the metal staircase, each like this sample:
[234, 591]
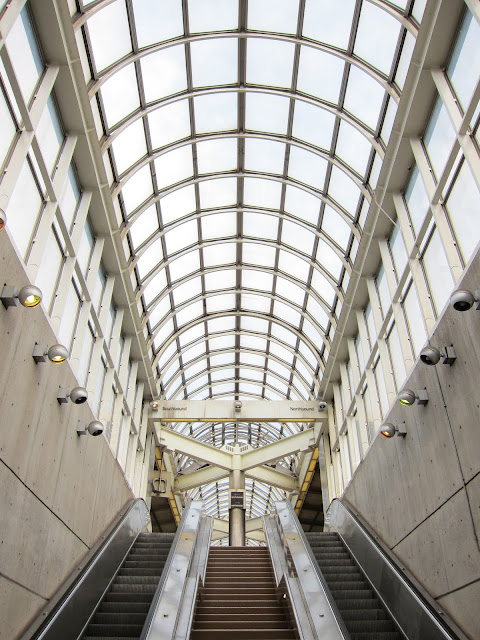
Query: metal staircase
[124, 608]
[364, 615]
[239, 600]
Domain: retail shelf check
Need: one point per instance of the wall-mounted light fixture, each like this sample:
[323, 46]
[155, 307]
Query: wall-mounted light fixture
[3, 219]
[154, 404]
[237, 405]
[432, 355]
[29, 296]
[463, 300]
[57, 353]
[389, 430]
[407, 397]
[95, 428]
[78, 395]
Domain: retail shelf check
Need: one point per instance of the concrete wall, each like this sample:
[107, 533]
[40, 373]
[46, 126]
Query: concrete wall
[422, 493]
[58, 491]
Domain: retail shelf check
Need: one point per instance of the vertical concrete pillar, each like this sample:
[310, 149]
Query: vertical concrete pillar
[236, 515]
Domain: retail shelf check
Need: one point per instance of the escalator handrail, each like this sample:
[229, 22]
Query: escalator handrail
[169, 601]
[63, 615]
[323, 611]
[424, 617]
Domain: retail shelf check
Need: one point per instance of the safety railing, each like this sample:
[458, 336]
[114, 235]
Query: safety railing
[312, 606]
[171, 613]
[417, 615]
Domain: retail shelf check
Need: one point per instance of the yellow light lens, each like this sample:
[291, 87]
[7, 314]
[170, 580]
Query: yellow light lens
[32, 301]
[57, 359]
[405, 402]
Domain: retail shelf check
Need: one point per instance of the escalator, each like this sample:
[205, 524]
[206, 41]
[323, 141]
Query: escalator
[124, 608]
[364, 615]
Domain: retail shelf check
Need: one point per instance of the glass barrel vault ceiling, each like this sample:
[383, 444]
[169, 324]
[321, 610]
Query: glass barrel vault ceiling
[243, 141]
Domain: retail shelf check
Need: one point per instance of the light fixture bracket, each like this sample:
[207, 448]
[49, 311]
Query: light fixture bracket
[448, 355]
[82, 428]
[422, 397]
[63, 395]
[9, 296]
[39, 353]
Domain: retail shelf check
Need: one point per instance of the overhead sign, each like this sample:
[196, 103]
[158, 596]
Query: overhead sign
[229, 411]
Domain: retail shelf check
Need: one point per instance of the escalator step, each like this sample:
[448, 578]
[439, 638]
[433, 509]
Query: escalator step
[132, 596]
[348, 604]
[364, 614]
[125, 607]
[369, 626]
[114, 631]
[119, 617]
[382, 635]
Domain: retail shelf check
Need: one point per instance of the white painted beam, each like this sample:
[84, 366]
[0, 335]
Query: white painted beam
[286, 446]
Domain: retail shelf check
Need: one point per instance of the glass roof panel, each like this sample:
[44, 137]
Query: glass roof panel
[212, 15]
[215, 112]
[353, 148]
[307, 167]
[224, 279]
[336, 227]
[262, 193]
[364, 97]
[291, 264]
[120, 95]
[181, 236]
[221, 303]
[313, 124]
[218, 192]
[156, 21]
[109, 34]
[187, 290]
[217, 155]
[298, 237]
[144, 226]
[214, 62]
[164, 73]
[324, 289]
[380, 50]
[320, 74]
[267, 112]
[219, 225]
[270, 62]
[169, 123]
[329, 21]
[302, 204]
[174, 166]
[258, 325]
[177, 204]
[260, 225]
[280, 16]
[344, 190]
[150, 258]
[182, 266]
[327, 257]
[220, 253]
[129, 146]
[137, 189]
[256, 280]
[264, 155]
[257, 254]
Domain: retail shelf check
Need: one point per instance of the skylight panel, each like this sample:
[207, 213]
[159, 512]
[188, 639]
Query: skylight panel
[264, 155]
[281, 387]
[312, 333]
[280, 16]
[260, 225]
[137, 189]
[120, 95]
[150, 258]
[219, 225]
[189, 263]
[193, 311]
[222, 359]
[164, 73]
[155, 286]
[253, 342]
[223, 389]
[275, 366]
[160, 311]
[405, 59]
[109, 35]
[214, 62]
[216, 112]
[256, 279]
[224, 279]
[285, 312]
[281, 352]
[294, 266]
[269, 62]
[327, 257]
[195, 351]
[224, 302]
[252, 358]
[251, 374]
[262, 193]
[217, 155]
[177, 204]
[344, 190]
[255, 325]
[194, 369]
[303, 371]
[353, 148]
[329, 21]
[220, 342]
[377, 37]
[317, 311]
[307, 167]
[182, 236]
[192, 334]
[220, 253]
[258, 254]
[174, 166]
[165, 332]
[220, 325]
[320, 74]
[313, 124]
[129, 146]
[364, 97]
[196, 385]
[218, 192]
[212, 15]
[389, 119]
[302, 204]
[222, 374]
[266, 112]
[170, 123]
[144, 226]
[308, 354]
[290, 291]
[253, 302]
[187, 291]
[323, 288]
[156, 21]
[250, 388]
[336, 227]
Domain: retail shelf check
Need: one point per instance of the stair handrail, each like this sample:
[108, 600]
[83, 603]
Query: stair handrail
[171, 611]
[415, 612]
[313, 607]
[68, 611]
